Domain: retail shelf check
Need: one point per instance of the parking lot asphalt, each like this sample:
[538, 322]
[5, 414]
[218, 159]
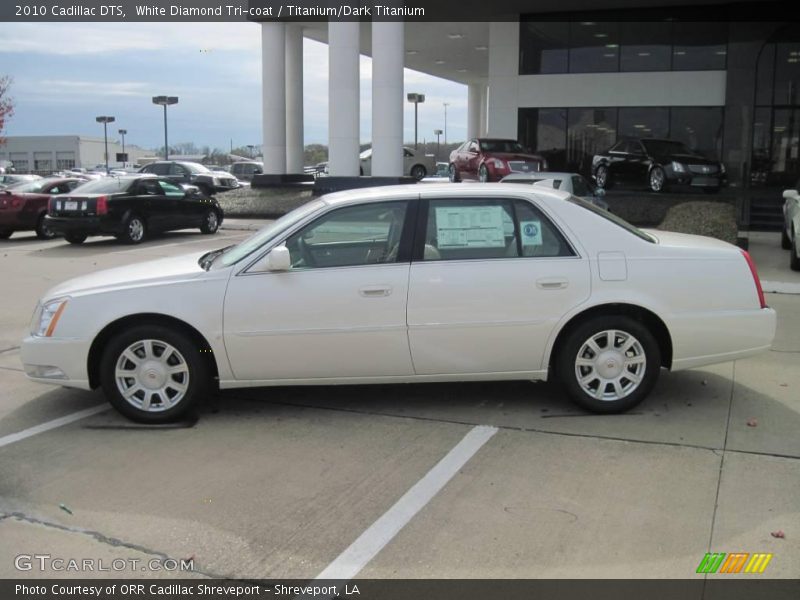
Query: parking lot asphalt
[436, 480]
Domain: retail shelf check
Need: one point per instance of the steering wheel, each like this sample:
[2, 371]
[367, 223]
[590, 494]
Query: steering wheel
[308, 257]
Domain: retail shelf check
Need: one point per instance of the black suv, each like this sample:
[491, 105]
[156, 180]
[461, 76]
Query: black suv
[193, 173]
[658, 164]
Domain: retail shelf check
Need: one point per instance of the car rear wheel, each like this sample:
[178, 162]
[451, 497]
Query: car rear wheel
[418, 172]
[609, 364]
[75, 238]
[134, 230]
[153, 374]
[6, 233]
[43, 232]
[601, 177]
[452, 174]
[657, 179]
[786, 241]
[794, 254]
[210, 222]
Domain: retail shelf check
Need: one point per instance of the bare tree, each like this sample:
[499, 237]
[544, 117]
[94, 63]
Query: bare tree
[6, 104]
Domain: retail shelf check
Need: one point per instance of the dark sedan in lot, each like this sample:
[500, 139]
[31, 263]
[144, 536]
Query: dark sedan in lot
[658, 164]
[490, 159]
[131, 208]
[23, 206]
[209, 182]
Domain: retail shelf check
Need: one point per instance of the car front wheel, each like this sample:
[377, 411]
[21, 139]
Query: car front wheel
[483, 174]
[609, 364]
[418, 172]
[601, 176]
[153, 374]
[210, 222]
[75, 238]
[657, 179]
[794, 254]
[452, 173]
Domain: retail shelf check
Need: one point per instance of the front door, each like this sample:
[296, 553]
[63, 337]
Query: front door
[339, 312]
[494, 278]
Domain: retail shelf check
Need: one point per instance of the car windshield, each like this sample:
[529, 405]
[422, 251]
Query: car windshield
[257, 240]
[196, 167]
[609, 216]
[27, 187]
[665, 147]
[501, 146]
[106, 185]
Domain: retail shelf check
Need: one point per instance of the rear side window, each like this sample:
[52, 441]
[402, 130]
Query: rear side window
[479, 229]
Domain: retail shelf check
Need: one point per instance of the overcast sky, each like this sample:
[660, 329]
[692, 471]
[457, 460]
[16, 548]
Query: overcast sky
[66, 74]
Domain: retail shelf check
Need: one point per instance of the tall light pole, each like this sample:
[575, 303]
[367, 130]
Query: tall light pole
[417, 99]
[437, 133]
[122, 132]
[446, 104]
[165, 101]
[105, 121]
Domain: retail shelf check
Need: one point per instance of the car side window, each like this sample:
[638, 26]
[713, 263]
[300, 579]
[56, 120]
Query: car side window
[579, 187]
[407, 153]
[619, 146]
[367, 234]
[149, 187]
[473, 147]
[479, 229]
[158, 169]
[171, 190]
[176, 169]
[635, 147]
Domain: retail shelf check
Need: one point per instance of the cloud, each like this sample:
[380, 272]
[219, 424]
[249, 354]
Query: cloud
[107, 88]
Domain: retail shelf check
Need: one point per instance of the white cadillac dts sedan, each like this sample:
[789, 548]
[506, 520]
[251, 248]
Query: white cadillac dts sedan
[408, 284]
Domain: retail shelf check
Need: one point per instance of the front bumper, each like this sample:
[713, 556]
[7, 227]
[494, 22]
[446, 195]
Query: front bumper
[65, 360]
[83, 225]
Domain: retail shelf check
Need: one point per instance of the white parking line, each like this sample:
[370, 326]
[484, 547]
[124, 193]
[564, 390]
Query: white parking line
[36, 429]
[780, 287]
[142, 249]
[348, 564]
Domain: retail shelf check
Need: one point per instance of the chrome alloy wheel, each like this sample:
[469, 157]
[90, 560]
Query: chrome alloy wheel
[136, 229]
[656, 179]
[212, 221]
[152, 375]
[610, 365]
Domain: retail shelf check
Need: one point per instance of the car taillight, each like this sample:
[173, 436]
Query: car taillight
[102, 205]
[756, 280]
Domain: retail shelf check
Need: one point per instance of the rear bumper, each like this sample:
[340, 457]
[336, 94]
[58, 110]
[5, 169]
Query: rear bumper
[17, 220]
[64, 361]
[710, 338]
[87, 225]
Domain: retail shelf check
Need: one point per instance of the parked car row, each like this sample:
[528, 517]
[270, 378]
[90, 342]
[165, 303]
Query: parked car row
[791, 226]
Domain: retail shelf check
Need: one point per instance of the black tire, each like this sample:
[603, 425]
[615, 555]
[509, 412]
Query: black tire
[452, 174]
[75, 238]
[794, 258]
[419, 172]
[786, 241]
[183, 388]
[6, 233]
[483, 174]
[630, 392]
[134, 230]
[210, 223]
[43, 232]
[602, 177]
[657, 180]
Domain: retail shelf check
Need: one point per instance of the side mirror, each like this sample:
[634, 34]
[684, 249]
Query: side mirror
[789, 194]
[278, 259]
[599, 192]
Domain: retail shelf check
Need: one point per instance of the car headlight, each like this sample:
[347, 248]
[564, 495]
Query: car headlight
[215, 181]
[497, 163]
[46, 317]
[722, 168]
[678, 167]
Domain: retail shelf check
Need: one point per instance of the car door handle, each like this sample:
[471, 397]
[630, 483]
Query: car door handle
[552, 283]
[375, 291]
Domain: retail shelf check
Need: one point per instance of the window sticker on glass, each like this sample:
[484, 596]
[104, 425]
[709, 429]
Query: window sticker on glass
[531, 233]
[470, 227]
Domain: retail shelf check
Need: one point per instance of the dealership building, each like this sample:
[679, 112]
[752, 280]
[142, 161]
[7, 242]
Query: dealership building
[44, 154]
[567, 77]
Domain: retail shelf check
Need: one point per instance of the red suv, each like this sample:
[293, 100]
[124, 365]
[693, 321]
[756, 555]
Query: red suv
[491, 159]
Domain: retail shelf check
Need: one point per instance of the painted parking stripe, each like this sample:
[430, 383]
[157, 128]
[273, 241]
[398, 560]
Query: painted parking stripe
[66, 420]
[780, 287]
[348, 564]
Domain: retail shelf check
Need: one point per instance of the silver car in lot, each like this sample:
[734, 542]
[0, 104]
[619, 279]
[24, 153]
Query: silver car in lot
[791, 226]
[572, 183]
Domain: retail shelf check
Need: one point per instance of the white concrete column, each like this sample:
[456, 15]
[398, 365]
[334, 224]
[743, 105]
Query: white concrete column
[343, 98]
[294, 99]
[473, 110]
[484, 112]
[273, 100]
[388, 54]
[504, 78]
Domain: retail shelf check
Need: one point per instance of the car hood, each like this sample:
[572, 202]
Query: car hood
[154, 272]
[513, 156]
[686, 240]
[687, 159]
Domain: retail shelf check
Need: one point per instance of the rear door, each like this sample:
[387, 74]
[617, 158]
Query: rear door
[490, 279]
[150, 203]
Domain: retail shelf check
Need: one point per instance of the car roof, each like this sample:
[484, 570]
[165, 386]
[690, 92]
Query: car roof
[444, 191]
[542, 175]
